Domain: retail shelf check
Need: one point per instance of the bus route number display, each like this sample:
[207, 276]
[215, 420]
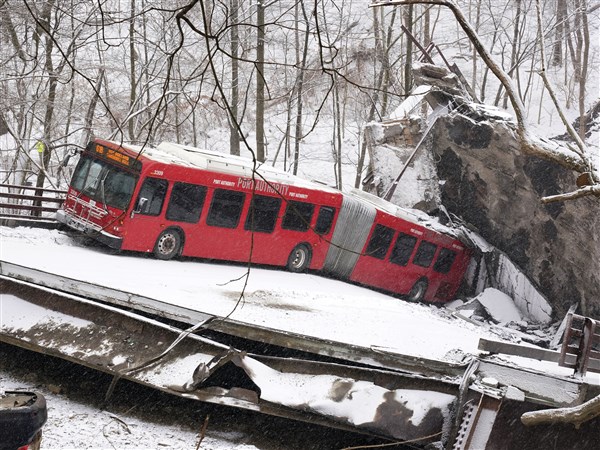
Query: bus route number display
[113, 155]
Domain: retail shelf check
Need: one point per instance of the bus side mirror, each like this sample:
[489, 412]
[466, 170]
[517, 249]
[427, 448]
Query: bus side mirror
[65, 161]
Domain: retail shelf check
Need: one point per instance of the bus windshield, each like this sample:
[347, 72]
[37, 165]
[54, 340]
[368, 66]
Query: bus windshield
[103, 182]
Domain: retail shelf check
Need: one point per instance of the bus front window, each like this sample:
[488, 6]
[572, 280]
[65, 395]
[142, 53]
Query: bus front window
[91, 187]
[104, 182]
[80, 174]
[118, 187]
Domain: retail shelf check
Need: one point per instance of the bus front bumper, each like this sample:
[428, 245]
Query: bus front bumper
[94, 232]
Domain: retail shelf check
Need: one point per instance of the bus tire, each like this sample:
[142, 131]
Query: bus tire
[299, 259]
[417, 293]
[168, 244]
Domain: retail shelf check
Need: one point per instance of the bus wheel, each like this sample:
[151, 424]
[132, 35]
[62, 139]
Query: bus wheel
[417, 293]
[299, 259]
[167, 245]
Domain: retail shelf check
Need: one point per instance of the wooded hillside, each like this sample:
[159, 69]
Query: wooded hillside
[278, 80]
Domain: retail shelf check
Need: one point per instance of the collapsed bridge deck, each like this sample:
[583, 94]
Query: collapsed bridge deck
[318, 376]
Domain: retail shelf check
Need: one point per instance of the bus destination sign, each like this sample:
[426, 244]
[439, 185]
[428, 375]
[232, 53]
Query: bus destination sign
[113, 155]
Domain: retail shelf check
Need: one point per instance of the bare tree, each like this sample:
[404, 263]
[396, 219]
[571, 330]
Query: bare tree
[574, 160]
[186, 69]
[234, 139]
[260, 80]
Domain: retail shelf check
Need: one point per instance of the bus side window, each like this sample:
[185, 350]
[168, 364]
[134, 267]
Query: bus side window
[225, 208]
[186, 202]
[424, 254]
[297, 216]
[262, 214]
[405, 244]
[444, 261]
[380, 241]
[324, 219]
[151, 197]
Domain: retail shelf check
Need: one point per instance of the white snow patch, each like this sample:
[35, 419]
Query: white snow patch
[118, 360]
[499, 305]
[358, 401]
[176, 372]
[19, 314]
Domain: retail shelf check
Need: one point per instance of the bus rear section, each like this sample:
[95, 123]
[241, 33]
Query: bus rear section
[411, 260]
[377, 244]
[100, 191]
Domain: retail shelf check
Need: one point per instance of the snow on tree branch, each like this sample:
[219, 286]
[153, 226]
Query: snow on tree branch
[575, 415]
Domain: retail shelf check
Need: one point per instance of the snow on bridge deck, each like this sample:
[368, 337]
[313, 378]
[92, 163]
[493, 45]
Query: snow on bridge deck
[303, 304]
[424, 353]
[306, 309]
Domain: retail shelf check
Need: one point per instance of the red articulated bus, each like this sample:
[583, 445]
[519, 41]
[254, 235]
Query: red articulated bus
[176, 200]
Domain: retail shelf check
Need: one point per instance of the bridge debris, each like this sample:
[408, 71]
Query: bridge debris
[582, 343]
[466, 405]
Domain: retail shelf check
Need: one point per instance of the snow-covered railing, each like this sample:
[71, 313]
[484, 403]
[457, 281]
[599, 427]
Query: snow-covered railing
[18, 203]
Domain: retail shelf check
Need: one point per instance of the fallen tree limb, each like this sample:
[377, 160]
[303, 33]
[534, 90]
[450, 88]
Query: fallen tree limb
[583, 192]
[575, 415]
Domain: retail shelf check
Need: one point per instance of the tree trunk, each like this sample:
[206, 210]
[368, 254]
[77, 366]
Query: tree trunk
[46, 148]
[514, 68]
[260, 81]
[337, 136]
[474, 52]
[299, 91]
[559, 33]
[386, 64]
[132, 70]
[585, 53]
[408, 23]
[234, 137]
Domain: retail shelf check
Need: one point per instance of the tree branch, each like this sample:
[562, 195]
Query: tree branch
[583, 192]
[575, 415]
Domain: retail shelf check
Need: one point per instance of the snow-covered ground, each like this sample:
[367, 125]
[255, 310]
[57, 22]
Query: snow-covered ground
[306, 304]
[75, 425]
[301, 303]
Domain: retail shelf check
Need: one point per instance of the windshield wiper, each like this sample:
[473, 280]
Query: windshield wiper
[103, 197]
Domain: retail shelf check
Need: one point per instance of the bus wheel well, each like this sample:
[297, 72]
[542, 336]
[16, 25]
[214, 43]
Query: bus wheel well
[417, 292]
[299, 259]
[169, 243]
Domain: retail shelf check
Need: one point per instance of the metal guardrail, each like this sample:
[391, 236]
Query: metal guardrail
[19, 203]
[581, 342]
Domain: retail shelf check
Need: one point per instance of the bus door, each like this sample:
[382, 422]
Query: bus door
[146, 221]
